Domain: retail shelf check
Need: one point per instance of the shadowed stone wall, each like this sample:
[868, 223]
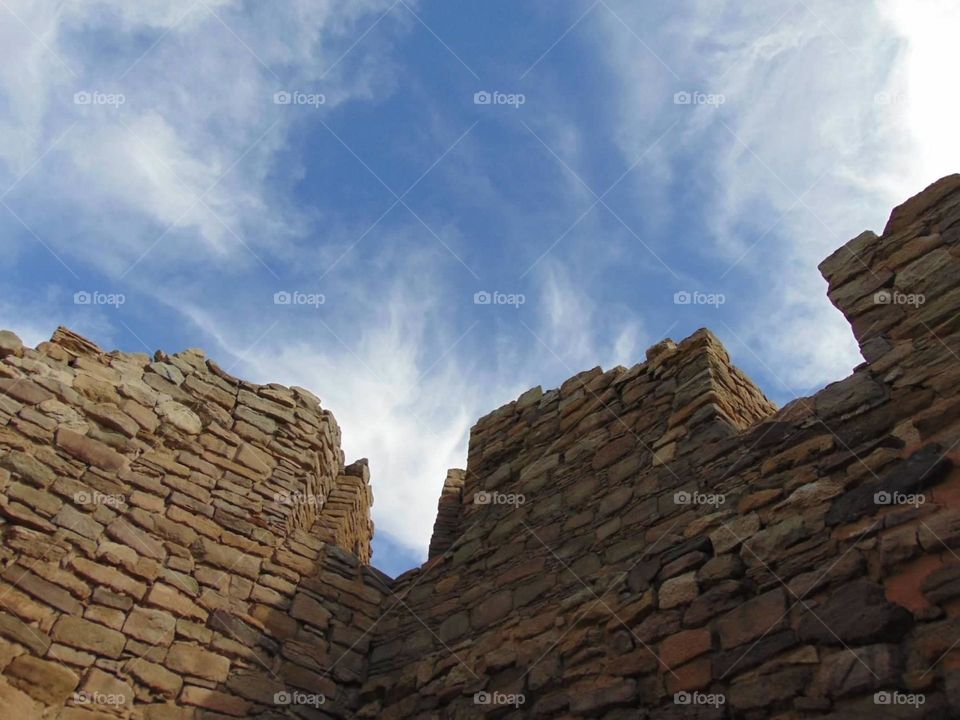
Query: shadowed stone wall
[652, 542]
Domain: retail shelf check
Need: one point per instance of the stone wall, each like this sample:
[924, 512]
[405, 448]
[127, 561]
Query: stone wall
[652, 542]
[174, 539]
[640, 538]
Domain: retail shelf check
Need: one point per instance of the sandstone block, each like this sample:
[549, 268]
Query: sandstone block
[101, 689]
[48, 682]
[753, 618]
[85, 635]
[854, 614]
[90, 451]
[24, 390]
[192, 660]
[155, 676]
[169, 598]
[683, 646]
[225, 557]
[678, 591]
[17, 704]
[214, 700]
[180, 416]
[310, 610]
[16, 630]
[154, 627]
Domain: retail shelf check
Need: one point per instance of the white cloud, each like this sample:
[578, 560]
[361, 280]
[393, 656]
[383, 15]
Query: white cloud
[397, 388]
[195, 119]
[575, 332]
[804, 150]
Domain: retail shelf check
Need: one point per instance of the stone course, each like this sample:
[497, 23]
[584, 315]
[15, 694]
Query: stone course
[163, 523]
[651, 542]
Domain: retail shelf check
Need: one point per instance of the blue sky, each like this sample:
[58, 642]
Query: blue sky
[147, 154]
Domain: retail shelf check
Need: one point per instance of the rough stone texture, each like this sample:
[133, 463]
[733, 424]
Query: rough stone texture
[193, 546]
[155, 539]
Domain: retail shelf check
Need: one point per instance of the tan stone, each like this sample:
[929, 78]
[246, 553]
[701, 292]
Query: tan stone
[103, 691]
[88, 450]
[180, 416]
[154, 627]
[48, 682]
[171, 599]
[155, 676]
[214, 700]
[85, 635]
[17, 704]
[678, 591]
[192, 660]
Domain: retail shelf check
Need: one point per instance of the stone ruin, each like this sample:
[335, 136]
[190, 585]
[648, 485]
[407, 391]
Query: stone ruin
[652, 542]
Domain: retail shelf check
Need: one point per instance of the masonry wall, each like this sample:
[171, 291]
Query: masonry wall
[176, 543]
[641, 533]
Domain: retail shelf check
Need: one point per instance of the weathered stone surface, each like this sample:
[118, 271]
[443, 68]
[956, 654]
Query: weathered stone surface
[645, 531]
[48, 682]
[192, 660]
[310, 610]
[854, 614]
[180, 417]
[154, 627]
[90, 451]
[85, 635]
[752, 619]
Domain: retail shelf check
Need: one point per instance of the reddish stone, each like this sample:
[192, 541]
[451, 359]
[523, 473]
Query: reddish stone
[904, 588]
[686, 645]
